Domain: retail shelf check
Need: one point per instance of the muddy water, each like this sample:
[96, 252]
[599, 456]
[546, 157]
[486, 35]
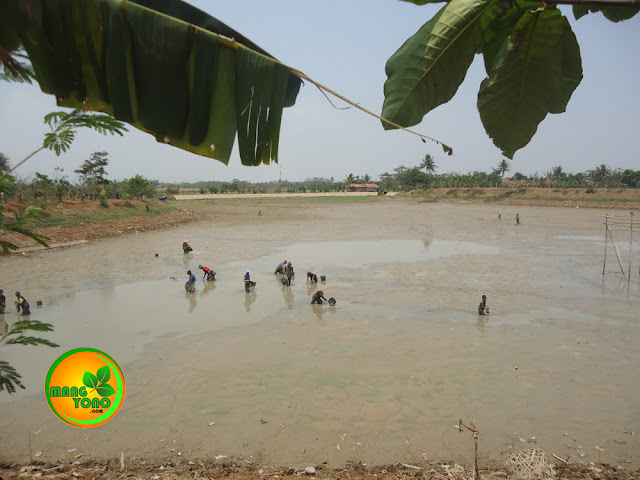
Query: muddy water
[382, 377]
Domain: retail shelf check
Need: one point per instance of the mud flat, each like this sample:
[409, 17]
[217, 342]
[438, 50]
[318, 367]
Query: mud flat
[381, 378]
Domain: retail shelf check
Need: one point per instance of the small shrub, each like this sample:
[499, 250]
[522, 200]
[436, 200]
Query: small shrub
[453, 192]
[590, 189]
[103, 201]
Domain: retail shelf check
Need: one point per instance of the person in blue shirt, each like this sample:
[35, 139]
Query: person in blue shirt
[248, 284]
[190, 286]
[281, 266]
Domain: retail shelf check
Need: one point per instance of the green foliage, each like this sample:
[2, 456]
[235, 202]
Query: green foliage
[139, 187]
[591, 189]
[428, 69]
[9, 377]
[178, 73]
[213, 189]
[42, 186]
[64, 125]
[531, 56]
[533, 74]
[503, 167]
[4, 163]
[15, 65]
[103, 201]
[18, 225]
[429, 164]
[93, 174]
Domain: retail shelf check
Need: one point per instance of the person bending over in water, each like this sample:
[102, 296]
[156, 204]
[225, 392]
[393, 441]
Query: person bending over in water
[318, 297]
[483, 309]
[22, 302]
[209, 274]
[280, 268]
[186, 248]
[312, 277]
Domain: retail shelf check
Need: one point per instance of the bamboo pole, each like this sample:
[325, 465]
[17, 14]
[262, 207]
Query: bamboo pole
[606, 227]
[630, 245]
[615, 247]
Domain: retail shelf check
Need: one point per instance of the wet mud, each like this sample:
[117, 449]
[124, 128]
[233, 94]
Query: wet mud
[382, 377]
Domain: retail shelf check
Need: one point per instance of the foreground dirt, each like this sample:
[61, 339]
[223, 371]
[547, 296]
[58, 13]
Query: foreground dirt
[140, 469]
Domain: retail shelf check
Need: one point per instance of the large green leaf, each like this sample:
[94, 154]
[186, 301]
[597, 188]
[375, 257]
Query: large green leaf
[535, 73]
[500, 28]
[163, 66]
[615, 14]
[428, 69]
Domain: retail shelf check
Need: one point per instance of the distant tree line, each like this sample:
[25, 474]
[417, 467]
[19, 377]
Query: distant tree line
[423, 176]
[92, 183]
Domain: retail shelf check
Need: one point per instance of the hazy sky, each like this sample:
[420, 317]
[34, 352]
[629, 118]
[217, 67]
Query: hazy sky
[344, 44]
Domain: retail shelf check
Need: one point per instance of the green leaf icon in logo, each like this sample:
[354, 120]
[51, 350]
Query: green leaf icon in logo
[103, 375]
[99, 382]
[105, 390]
[90, 380]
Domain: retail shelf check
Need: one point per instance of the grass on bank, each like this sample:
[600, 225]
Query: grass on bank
[65, 215]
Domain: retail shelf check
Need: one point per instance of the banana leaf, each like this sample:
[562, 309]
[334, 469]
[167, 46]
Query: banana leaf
[164, 67]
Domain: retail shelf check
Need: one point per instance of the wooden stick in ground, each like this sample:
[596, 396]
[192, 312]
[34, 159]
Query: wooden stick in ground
[475, 432]
[563, 467]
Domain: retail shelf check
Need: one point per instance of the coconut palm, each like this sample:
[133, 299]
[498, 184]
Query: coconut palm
[503, 166]
[429, 164]
[601, 174]
[4, 163]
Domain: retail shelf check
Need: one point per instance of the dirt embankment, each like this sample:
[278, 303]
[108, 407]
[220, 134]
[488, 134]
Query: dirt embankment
[578, 197]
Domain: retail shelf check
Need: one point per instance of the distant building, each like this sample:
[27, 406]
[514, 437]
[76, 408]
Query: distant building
[363, 187]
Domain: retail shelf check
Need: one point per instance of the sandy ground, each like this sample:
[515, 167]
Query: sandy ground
[381, 378]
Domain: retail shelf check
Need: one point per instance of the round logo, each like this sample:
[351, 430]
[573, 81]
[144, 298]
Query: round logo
[85, 387]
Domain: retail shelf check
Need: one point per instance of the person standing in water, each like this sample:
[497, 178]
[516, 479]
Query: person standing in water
[483, 309]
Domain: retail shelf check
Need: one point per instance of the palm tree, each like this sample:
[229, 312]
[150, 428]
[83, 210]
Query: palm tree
[601, 173]
[366, 178]
[350, 179]
[428, 164]
[503, 166]
[4, 163]
[557, 172]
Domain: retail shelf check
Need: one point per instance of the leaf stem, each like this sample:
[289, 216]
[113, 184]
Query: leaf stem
[16, 166]
[300, 74]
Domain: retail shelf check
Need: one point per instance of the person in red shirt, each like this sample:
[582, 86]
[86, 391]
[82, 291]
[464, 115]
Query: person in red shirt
[208, 273]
